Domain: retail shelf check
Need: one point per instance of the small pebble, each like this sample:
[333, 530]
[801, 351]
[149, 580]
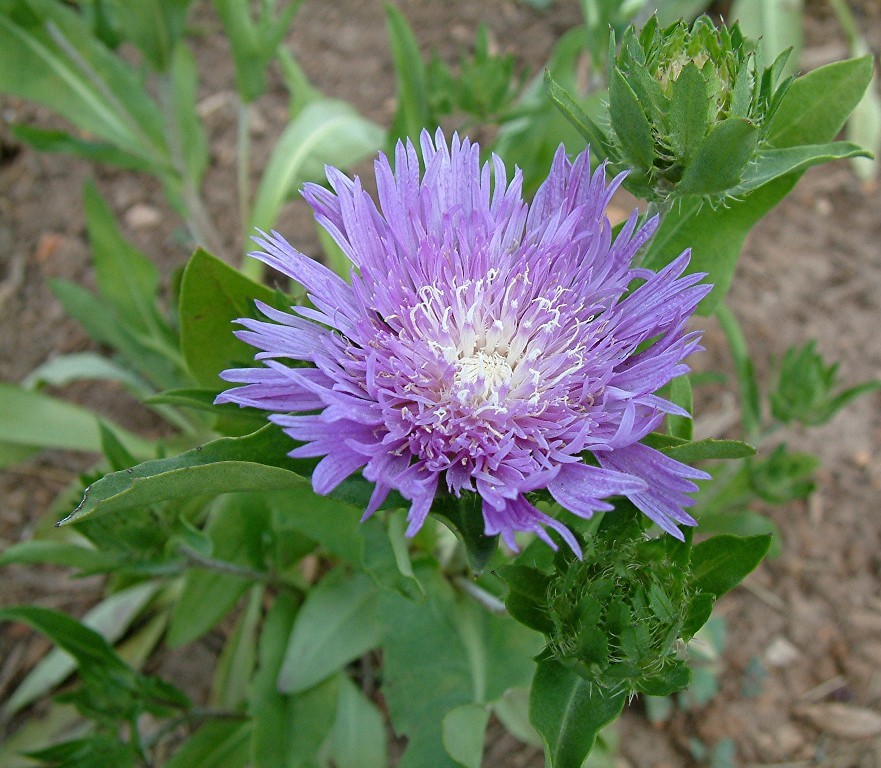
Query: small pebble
[142, 216]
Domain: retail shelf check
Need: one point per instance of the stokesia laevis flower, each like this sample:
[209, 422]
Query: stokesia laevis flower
[483, 345]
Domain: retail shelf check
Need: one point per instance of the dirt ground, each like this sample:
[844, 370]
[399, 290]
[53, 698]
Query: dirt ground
[801, 673]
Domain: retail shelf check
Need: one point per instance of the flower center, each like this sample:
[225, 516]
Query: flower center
[481, 375]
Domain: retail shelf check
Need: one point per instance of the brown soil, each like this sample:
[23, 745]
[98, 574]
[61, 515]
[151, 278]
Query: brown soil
[804, 632]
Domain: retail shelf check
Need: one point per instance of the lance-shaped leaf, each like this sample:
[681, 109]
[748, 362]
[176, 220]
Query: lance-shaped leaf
[49, 55]
[212, 296]
[337, 624]
[710, 448]
[412, 114]
[254, 41]
[256, 462]
[47, 140]
[568, 712]
[110, 619]
[217, 744]
[770, 164]
[32, 420]
[719, 564]
[572, 111]
[325, 132]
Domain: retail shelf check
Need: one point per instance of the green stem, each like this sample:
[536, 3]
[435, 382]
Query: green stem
[750, 405]
[243, 165]
[847, 22]
[196, 715]
[199, 560]
[96, 80]
[199, 223]
[487, 600]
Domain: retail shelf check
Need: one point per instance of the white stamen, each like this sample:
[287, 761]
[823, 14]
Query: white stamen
[488, 372]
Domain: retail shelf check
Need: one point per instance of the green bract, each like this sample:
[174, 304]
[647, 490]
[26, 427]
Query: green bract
[688, 107]
[619, 613]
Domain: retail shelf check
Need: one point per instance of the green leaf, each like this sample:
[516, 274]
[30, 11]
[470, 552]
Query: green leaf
[527, 598]
[49, 55]
[217, 744]
[302, 726]
[572, 111]
[85, 645]
[710, 448]
[742, 523]
[631, 124]
[289, 731]
[385, 556]
[271, 710]
[568, 712]
[474, 658]
[59, 553]
[254, 42]
[301, 92]
[334, 526]
[237, 531]
[783, 476]
[359, 739]
[750, 403]
[95, 751]
[680, 394]
[103, 324]
[256, 462]
[79, 366]
[721, 159]
[126, 278]
[44, 140]
[699, 611]
[674, 678]
[719, 564]
[805, 385]
[771, 164]
[775, 25]
[213, 296]
[838, 86]
[689, 113]
[325, 132]
[34, 420]
[109, 620]
[412, 114]
[464, 729]
[188, 131]
[153, 26]
[236, 663]
[337, 624]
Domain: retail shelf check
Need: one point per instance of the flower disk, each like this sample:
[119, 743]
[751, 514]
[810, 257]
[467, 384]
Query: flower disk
[483, 345]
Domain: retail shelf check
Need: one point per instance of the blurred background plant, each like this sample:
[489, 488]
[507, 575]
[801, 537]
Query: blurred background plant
[213, 523]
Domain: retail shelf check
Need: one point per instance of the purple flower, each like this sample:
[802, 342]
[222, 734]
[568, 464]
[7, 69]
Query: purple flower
[483, 345]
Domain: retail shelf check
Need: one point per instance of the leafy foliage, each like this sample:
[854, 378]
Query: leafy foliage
[215, 528]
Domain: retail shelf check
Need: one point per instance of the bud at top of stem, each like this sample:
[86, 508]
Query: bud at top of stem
[688, 107]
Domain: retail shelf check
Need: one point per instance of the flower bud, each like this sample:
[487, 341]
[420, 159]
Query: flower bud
[619, 613]
[688, 108]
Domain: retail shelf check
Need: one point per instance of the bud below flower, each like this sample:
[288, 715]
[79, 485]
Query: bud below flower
[618, 614]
